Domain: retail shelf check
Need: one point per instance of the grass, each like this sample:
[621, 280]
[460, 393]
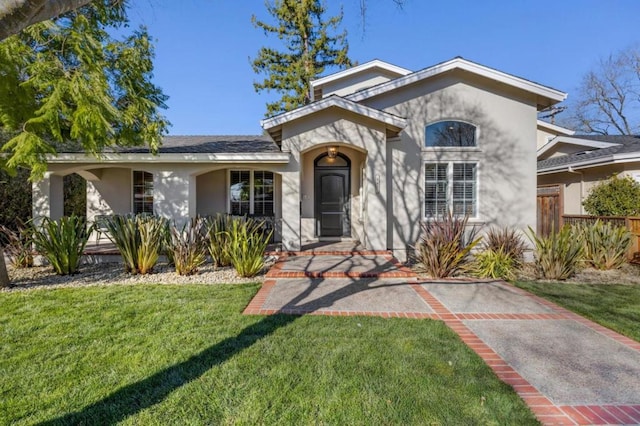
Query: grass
[614, 306]
[164, 354]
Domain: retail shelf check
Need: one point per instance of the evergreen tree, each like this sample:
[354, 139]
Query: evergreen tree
[69, 81]
[310, 50]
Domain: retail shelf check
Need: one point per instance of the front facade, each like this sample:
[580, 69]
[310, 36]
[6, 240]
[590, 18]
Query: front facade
[380, 150]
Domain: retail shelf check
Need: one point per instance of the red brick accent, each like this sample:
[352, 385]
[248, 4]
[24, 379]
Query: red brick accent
[255, 306]
[278, 273]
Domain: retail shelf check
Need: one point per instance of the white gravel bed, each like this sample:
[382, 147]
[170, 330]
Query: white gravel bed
[102, 274]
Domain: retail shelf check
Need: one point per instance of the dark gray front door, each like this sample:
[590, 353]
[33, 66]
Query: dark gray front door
[332, 202]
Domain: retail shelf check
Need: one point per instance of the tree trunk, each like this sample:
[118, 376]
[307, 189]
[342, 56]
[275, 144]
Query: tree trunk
[4, 275]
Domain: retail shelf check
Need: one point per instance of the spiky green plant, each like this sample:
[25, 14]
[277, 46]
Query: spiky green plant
[605, 245]
[62, 242]
[189, 246]
[138, 239]
[247, 244]
[506, 239]
[167, 242]
[18, 244]
[496, 264]
[445, 245]
[218, 239]
[558, 254]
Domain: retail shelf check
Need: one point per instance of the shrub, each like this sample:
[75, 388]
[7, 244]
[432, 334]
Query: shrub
[445, 246]
[19, 244]
[189, 246]
[219, 239]
[492, 263]
[139, 240]
[557, 255]
[605, 246]
[617, 196]
[246, 246]
[508, 240]
[62, 242]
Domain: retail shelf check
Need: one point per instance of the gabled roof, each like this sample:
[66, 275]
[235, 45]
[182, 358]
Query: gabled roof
[546, 95]
[376, 63]
[619, 149]
[555, 128]
[392, 121]
[588, 141]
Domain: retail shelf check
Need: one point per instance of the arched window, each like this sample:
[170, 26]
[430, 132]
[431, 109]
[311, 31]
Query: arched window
[450, 134]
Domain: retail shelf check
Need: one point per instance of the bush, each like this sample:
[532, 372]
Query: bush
[62, 242]
[246, 245]
[508, 240]
[219, 239]
[15, 198]
[445, 246]
[557, 255]
[605, 246]
[617, 196]
[492, 263]
[18, 244]
[189, 246]
[139, 240]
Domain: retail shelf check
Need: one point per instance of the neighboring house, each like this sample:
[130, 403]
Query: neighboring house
[378, 151]
[569, 166]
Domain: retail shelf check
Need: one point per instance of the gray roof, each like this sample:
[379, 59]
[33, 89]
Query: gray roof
[626, 145]
[214, 144]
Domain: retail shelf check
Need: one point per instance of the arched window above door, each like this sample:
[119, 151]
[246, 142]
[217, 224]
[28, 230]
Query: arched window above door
[340, 160]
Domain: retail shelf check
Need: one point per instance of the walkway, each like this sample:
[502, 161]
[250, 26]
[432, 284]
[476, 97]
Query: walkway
[568, 369]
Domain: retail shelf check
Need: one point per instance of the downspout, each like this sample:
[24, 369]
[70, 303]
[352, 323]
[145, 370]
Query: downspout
[572, 170]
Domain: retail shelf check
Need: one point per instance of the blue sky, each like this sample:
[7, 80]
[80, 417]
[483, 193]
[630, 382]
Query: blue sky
[203, 47]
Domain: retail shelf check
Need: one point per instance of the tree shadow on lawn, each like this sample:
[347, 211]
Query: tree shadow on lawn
[137, 396]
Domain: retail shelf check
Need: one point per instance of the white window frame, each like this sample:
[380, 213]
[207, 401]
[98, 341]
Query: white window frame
[451, 148]
[251, 189]
[133, 191]
[449, 198]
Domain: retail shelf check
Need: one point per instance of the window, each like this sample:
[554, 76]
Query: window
[450, 187]
[450, 134]
[142, 192]
[251, 192]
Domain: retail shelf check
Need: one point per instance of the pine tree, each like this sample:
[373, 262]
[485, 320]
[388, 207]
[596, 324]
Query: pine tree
[310, 51]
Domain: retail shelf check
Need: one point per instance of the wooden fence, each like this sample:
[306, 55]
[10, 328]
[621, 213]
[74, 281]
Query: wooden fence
[631, 223]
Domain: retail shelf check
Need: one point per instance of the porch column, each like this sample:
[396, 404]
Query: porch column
[174, 195]
[48, 198]
[291, 210]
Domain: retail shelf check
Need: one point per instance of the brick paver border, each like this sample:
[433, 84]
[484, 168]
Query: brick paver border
[544, 409]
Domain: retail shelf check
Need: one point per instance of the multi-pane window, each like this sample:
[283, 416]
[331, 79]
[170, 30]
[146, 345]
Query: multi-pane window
[142, 192]
[450, 187]
[450, 134]
[435, 189]
[251, 192]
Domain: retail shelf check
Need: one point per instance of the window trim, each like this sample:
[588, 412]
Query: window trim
[251, 189]
[133, 192]
[452, 148]
[449, 199]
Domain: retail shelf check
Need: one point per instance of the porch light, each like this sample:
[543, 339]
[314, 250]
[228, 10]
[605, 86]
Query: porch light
[332, 151]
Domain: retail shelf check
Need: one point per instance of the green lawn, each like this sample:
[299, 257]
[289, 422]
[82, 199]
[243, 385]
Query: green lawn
[614, 306]
[160, 354]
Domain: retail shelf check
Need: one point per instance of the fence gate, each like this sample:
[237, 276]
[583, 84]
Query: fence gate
[549, 209]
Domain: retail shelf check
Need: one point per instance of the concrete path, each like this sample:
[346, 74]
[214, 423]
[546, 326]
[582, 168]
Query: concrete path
[568, 369]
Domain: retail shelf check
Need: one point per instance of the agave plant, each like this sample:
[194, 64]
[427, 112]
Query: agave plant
[62, 242]
[19, 244]
[557, 255]
[247, 243]
[189, 246]
[218, 238]
[445, 246]
[605, 246]
[139, 240]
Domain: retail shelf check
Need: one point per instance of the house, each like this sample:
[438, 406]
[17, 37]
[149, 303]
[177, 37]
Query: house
[570, 165]
[378, 151]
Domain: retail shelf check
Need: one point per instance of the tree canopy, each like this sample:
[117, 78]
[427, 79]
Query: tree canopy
[69, 81]
[617, 196]
[310, 48]
[608, 99]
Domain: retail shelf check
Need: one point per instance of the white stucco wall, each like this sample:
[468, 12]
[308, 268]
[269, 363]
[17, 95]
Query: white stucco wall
[112, 194]
[357, 82]
[212, 193]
